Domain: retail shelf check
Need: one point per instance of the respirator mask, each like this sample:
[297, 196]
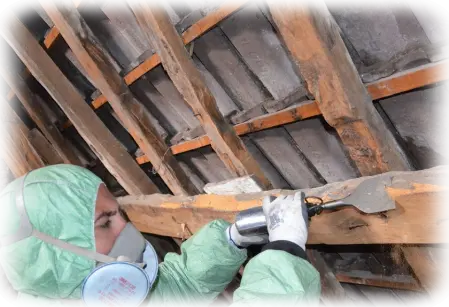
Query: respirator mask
[124, 277]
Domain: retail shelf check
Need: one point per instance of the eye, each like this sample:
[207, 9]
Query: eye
[106, 224]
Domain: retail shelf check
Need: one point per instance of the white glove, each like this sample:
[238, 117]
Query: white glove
[287, 218]
[235, 238]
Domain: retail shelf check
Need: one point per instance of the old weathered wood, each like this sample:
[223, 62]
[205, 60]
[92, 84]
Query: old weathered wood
[45, 149]
[17, 151]
[417, 218]
[119, 163]
[97, 63]
[369, 279]
[331, 290]
[289, 115]
[424, 267]
[33, 106]
[311, 35]
[187, 79]
[49, 40]
[408, 80]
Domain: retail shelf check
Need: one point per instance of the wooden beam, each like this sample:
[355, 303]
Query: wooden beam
[311, 35]
[331, 290]
[369, 279]
[119, 163]
[98, 65]
[33, 106]
[398, 83]
[49, 40]
[417, 217]
[424, 267]
[17, 151]
[187, 79]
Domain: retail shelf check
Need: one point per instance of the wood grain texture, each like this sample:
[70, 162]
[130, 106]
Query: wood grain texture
[98, 64]
[49, 40]
[45, 149]
[417, 218]
[17, 151]
[187, 79]
[34, 108]
[119, 163]
[331, 77]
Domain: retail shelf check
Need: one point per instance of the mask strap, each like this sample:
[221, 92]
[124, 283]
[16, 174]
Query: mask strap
[26, 230]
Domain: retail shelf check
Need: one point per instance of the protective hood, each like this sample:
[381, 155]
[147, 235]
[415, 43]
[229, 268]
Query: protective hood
[60, 202]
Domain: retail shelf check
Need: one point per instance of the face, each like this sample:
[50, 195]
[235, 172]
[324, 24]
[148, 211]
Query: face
[109, 222]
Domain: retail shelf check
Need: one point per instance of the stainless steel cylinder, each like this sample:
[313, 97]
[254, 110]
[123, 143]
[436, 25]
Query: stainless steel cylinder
[251, 222]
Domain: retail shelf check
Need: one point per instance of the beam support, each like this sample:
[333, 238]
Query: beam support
[312, 37]
[116, 159]
[417, 218]
[33, 106]
[155, 23]
[98, 64]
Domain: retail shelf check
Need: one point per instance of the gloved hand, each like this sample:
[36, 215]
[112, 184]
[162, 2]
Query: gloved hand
[287, 218]
[234, 237]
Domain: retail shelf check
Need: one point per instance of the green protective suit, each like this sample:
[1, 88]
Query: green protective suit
[60, 201]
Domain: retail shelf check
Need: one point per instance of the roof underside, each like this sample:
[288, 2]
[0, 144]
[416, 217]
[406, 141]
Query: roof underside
[244, 64]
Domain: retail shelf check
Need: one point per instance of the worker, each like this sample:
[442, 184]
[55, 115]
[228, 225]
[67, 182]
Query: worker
[60, 224]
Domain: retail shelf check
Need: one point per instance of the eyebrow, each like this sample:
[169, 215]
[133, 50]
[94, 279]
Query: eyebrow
[105, 213]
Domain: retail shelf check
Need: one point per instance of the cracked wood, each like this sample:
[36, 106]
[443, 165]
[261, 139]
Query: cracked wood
[417, 218]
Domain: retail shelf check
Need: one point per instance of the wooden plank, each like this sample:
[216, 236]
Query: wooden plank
[368, 279]
[312, 37]
[44, 148]
[286, 116]
[331, 290]
[49, 40]
[97, 63]
[119, 163]
[33, 106]
[187, 79]
[409, 80]
[17, 151]
[424, 267]
[417, 218]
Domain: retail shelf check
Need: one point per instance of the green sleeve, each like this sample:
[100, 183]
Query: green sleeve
[279, 276]
[206, 265]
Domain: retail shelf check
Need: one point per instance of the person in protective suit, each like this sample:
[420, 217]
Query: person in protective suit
[69, 204]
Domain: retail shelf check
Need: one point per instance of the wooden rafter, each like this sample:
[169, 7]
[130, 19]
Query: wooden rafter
[115, 158]
[312, 37]
[187, 79]
[196, 30]
[33, 106]
[98, 65]
[49, 40]
[396, 84]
